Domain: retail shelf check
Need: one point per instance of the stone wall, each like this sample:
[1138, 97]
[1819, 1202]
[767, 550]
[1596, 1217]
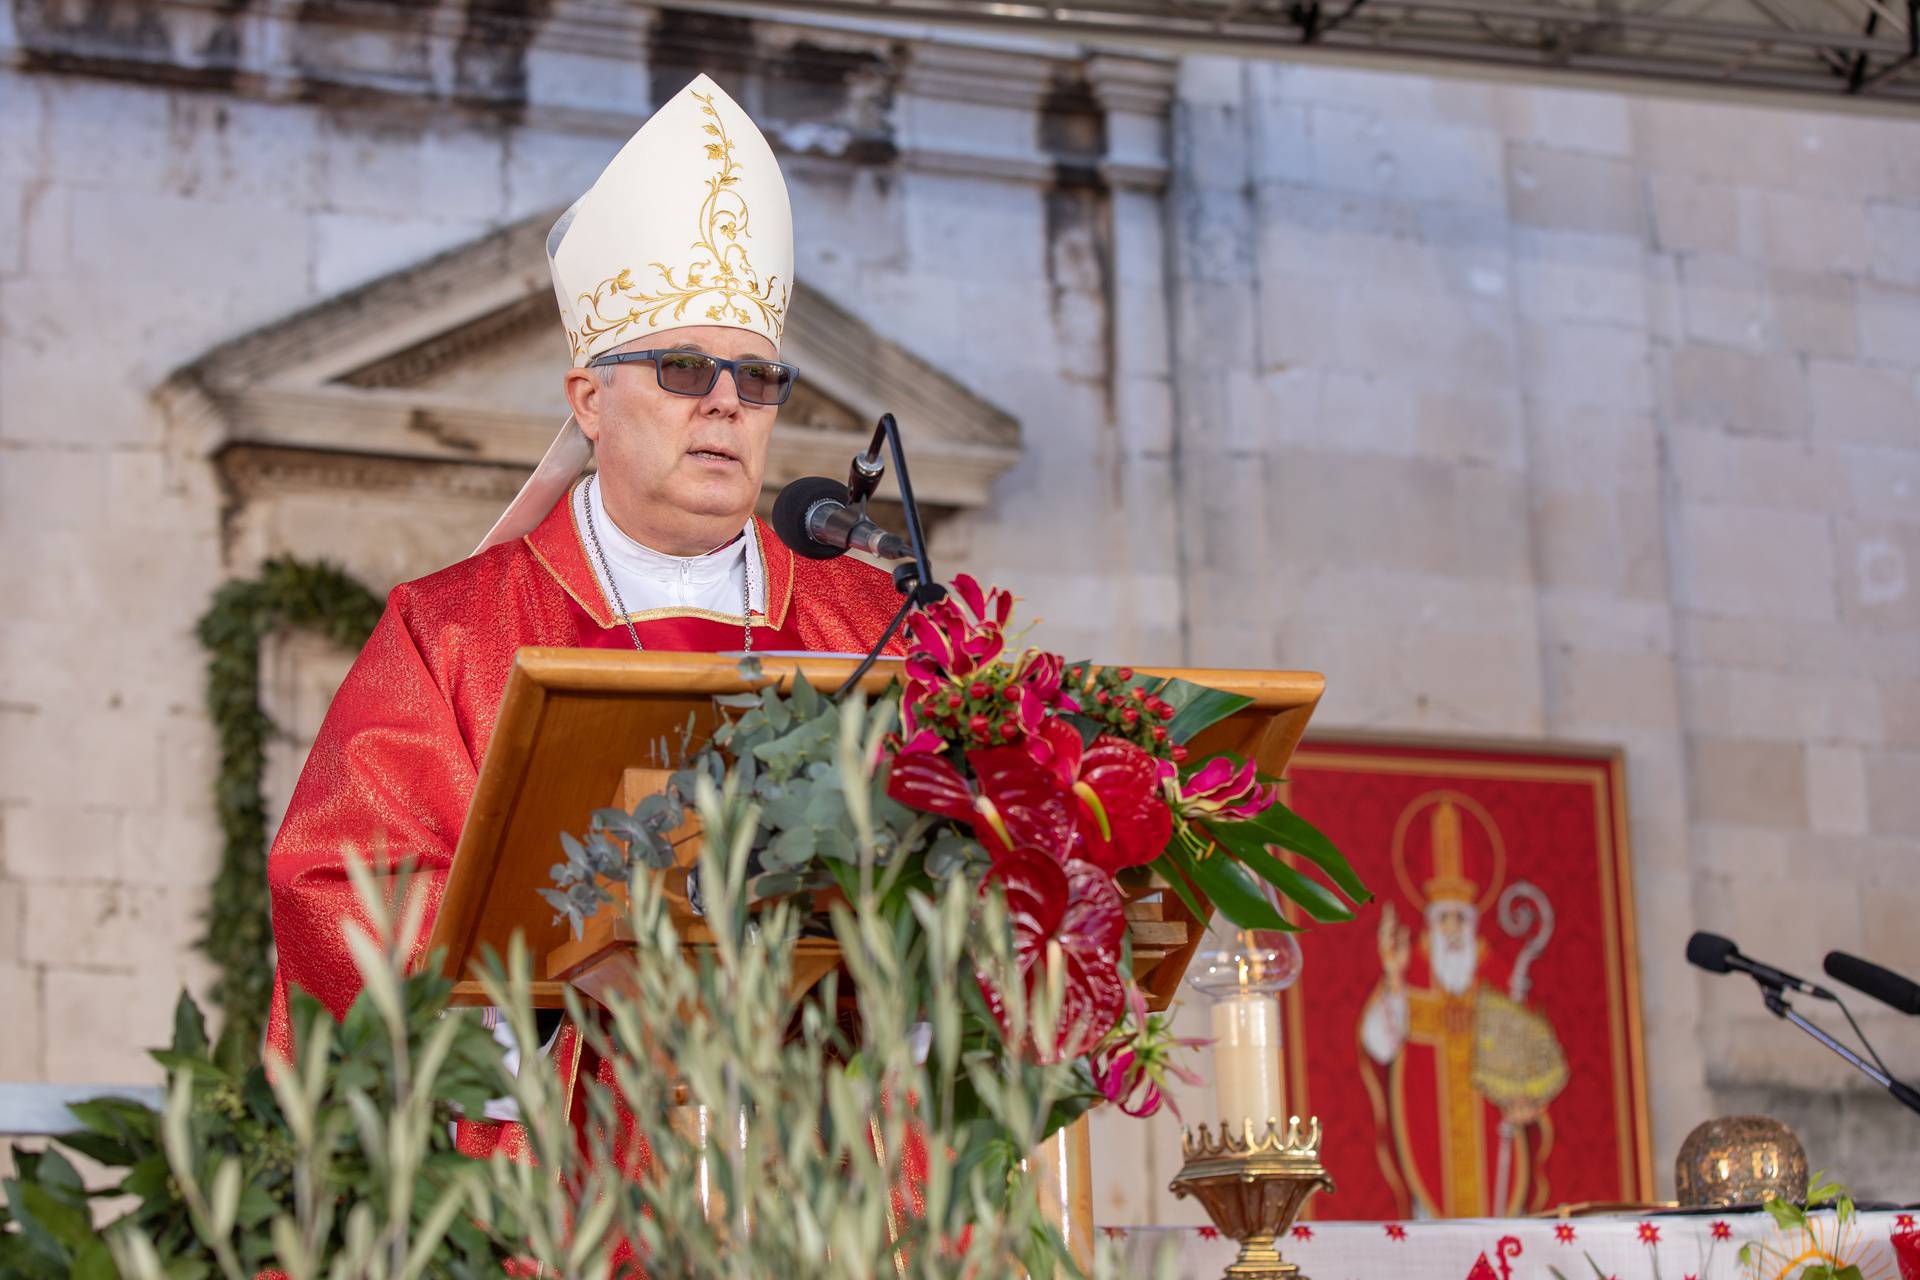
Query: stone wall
[1520, 412]
[1588, 418]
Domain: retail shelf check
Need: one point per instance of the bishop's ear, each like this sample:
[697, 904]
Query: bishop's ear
[587, 397]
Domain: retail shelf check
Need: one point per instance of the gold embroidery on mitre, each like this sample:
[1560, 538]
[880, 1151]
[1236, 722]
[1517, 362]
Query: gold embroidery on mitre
[721, 265]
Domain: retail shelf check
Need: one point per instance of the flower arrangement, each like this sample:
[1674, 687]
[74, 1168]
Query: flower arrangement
[969, 841]
[1053, 786]
[343, 1163]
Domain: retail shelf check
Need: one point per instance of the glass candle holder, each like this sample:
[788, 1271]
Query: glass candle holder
[1244, 983]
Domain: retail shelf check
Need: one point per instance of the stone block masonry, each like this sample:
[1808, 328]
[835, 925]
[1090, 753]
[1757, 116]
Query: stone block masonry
[1520, 412]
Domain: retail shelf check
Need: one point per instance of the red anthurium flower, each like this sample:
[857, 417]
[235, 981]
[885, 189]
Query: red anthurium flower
[1123, 820]
[1056, 745]
[1073, 910]
[925, 780]
[1101, 804]
[1220, 789]
[1022, 804]
[1124, 779]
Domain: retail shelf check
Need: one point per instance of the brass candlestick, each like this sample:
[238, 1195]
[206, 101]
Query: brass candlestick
[1253, 1187]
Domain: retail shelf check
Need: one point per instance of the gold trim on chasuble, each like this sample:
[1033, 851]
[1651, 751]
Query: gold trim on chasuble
[719, 226]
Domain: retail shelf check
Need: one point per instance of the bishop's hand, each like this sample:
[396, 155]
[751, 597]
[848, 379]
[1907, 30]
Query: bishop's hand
[1396, 947]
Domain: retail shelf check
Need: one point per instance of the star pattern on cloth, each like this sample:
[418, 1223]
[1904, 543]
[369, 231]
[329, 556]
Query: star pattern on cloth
[1394, 1231]
[1649, 1234]
[1563, 1232]
[1303, 1233]
[1721, 1231]
[1208, 1233]
[1904, 1222]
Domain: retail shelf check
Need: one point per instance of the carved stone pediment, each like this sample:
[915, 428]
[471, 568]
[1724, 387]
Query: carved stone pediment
[446, 376]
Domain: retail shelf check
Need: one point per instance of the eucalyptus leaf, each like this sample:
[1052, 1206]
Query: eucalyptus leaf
[835, 844]
[775, 884]
[617, 821]
[826, 802]
[659, 812]
[807, 701]
[785, 805]
[791, 849]
[656, 852]
[774, 707]
[604, 857]
[809, 740]
[952, 853]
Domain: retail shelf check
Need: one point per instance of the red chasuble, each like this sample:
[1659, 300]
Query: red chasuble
[394, 766]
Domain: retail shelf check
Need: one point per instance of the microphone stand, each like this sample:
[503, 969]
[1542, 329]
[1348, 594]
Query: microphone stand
[913, 579]
[1776, 1001]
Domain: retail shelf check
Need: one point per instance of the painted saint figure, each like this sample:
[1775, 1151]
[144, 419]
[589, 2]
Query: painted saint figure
[1469, 1069]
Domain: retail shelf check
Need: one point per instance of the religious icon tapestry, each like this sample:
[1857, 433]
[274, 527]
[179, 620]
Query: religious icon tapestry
[1473, 1041]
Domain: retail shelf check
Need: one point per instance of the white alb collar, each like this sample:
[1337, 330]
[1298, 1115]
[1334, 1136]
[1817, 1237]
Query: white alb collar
[631, 559]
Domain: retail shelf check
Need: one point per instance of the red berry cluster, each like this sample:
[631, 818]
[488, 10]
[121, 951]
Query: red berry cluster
[981, 712]
[1130, 711]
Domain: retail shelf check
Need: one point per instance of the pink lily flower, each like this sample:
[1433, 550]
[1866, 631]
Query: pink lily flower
[1219, 789]
[1131, 1066]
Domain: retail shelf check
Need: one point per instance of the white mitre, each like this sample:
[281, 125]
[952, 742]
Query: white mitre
[689, 225]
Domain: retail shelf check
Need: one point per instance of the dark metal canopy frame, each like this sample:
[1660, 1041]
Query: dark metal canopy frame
[1866, 51]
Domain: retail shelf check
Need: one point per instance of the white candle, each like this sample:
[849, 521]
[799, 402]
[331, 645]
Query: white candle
[1246, 1061]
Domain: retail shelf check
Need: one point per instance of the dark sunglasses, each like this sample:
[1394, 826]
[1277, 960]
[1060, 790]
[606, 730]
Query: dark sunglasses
[693, 373]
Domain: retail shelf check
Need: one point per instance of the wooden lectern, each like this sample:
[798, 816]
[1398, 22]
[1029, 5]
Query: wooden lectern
[584, 729]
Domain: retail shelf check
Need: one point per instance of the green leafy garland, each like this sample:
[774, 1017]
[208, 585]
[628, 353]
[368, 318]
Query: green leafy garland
[289, 593]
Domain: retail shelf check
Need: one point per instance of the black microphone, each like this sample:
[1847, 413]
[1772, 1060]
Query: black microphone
[813, 517]
[1868, 978]
[1716, 954]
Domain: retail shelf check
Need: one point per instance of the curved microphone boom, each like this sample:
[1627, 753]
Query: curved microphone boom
[1884, 985]
[812, 515]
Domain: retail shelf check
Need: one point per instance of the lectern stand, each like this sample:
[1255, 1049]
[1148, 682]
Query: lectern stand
[582, 729]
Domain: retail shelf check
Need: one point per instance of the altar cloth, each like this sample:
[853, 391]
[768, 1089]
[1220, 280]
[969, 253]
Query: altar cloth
[1885, 1246]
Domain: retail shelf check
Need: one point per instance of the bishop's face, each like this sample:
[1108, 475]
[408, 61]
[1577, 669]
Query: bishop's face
[1453, 944]
[678, 473]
